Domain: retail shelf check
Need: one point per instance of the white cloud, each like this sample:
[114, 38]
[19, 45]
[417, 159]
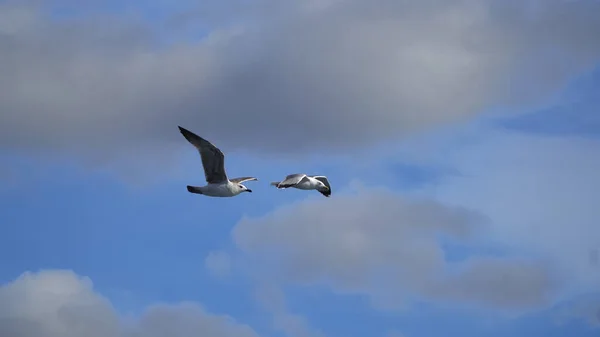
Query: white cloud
[378, 243]
[104, 87]
[58, 303]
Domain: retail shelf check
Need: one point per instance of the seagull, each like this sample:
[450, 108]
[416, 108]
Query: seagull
[302, 181]
[213, 162]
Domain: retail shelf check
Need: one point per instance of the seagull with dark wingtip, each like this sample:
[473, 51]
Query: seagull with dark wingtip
[213, 161]
[302, 181]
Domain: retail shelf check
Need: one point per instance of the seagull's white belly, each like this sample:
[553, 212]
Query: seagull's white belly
[219, 190]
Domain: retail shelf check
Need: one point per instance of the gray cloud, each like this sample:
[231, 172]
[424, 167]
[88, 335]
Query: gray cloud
[505, 282]
[377, 243]
[58, 303]
[343, 72]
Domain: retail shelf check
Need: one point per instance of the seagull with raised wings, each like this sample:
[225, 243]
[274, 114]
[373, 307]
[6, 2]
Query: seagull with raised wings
[213, 162]
[302, 181]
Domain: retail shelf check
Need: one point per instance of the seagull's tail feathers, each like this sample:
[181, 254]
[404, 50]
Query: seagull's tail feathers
[275, 183]
[194, 189]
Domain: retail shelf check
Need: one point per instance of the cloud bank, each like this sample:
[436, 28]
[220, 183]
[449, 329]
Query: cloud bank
[347, 73]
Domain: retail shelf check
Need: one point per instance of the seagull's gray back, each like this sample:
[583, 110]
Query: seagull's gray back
[293, 179]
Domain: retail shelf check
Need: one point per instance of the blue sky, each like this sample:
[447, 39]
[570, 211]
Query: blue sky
[444, 219]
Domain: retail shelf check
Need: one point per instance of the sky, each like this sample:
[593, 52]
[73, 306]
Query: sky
[461, 140]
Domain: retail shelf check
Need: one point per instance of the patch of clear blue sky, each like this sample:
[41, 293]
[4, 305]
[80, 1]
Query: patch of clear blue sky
[409, 175]
[577, 113]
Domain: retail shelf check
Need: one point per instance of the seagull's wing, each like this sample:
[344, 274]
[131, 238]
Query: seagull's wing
[291, 180]
[242, 179]
[213, 159]
[325, 181]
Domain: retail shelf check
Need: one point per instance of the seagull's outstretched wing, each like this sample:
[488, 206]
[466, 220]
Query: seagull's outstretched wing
[213, 159]
[242, 179]
[291, 180]
[324, 180]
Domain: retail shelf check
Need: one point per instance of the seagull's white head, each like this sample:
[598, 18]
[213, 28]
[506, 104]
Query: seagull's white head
[244, 188]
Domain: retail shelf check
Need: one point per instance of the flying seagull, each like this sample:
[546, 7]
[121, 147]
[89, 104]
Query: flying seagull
[303, 182]
[213, 161]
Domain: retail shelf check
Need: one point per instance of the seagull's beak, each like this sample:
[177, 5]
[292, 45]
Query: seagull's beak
[249, 190]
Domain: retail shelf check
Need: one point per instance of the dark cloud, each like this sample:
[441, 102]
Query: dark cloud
[281, 74]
